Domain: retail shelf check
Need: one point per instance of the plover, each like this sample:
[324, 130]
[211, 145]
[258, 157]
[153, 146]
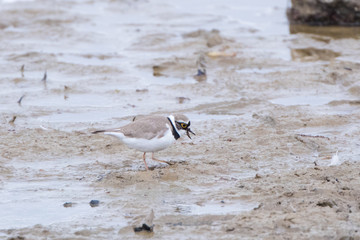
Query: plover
[151, 133]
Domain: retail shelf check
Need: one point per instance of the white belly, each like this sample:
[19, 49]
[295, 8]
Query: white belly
[145, 145]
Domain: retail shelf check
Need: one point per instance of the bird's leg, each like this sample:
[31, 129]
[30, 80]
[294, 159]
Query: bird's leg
[147, 169]
[155, 159]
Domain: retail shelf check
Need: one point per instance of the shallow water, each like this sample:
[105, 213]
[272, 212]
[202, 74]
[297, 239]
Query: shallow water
[99, 58]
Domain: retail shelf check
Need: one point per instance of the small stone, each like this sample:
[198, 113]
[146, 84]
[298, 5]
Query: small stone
[259, 206]
[182, 100]
[84, 232]
[200, 76]
[148, 225]
[326, 203]
[200, 72]
[288, 194]
[68, 204]
[94, 203]
[257, 176]
[12, 121]
[138, 229]
[177, 224]
[142, 90]
[201, 66]
[157, 71]
[144, 227]
[147, 228]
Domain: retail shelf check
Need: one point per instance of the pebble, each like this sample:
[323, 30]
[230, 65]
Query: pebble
[326, 203]
[182, 100]
[230, 229]
[68, 204]
[144, 227]
[94, 203]
[147, 225]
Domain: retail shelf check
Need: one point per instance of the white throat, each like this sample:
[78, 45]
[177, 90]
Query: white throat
[172, 120]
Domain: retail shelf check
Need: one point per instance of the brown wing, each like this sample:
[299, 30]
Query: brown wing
[147, 127]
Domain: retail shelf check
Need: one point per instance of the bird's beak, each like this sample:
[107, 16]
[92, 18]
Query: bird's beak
[189, 131]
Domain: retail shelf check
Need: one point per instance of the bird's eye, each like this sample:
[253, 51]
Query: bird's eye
[184, 125]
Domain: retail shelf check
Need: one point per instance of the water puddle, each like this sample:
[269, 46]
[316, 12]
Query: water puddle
[221, 208]
[263, 70]
[73, 101]
[39, 196]
[303, 100]
[91, 116]
[204, 117]
[30, 203]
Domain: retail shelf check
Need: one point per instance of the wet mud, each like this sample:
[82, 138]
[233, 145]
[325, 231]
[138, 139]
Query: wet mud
[271, 117]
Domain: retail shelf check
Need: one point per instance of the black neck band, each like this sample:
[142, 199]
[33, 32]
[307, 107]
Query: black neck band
[173, 130]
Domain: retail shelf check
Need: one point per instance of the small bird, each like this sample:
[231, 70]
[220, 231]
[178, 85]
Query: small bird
[151, 133]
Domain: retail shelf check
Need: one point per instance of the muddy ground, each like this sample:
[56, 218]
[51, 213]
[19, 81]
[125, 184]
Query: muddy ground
[273, 112]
